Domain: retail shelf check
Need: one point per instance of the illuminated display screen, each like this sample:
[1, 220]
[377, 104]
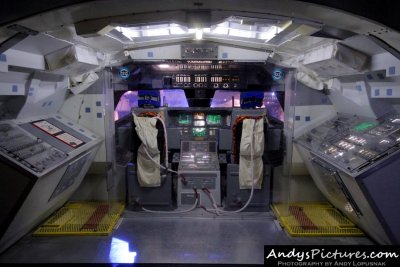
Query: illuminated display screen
[199, 123]
[214, 119]
[184, 119]
[47, 127]
[199, 132]
[365, 126]
[199, 116]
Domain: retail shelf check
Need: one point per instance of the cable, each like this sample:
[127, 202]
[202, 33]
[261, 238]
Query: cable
[216, 209]
[165, 168]
[214, 203]
[153, 160]
[177, 212]
[173, 212]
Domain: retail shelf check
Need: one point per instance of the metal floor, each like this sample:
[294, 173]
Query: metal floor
[197, 237]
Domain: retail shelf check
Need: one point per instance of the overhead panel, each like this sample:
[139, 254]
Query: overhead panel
[156, 53]
[291, 32]
[13, 83]
[246, 31]
[72, 60]
[23, 59]
[335, 60]
[199, 51]
[385, 89]
[241, 54]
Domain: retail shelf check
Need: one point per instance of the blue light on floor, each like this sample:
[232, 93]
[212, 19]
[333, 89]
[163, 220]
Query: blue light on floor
[215, 256]
[119, 252]
[188, 255]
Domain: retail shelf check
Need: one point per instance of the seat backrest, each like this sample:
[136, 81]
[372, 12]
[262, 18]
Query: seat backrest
[160, 137]
[237, 135]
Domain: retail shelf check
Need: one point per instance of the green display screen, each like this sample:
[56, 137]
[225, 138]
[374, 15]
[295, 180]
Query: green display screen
[184, 119]
[366, 125]
[214, 119]
[199, 132]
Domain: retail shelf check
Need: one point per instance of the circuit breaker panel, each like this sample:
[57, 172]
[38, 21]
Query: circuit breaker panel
[43, 161]
[354, 162]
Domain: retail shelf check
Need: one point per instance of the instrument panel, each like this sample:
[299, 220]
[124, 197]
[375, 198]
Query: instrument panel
[33, 153]
[42, 144]
[59, 134]
[199, 80]
[200, 119]
[199, 124]
[198, 155]
[354, 143]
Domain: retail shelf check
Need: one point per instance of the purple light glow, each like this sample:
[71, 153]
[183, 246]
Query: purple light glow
[223, 99]
[273, 106]
[129, 100]
[173, 98]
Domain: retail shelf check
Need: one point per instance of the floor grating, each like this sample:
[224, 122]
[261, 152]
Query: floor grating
[314, 219]
[82, 218]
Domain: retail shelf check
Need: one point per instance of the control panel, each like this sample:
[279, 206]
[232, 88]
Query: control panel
[198, 74]
[57, 133]
[199, 124]
[353, 143]
[33, 153]
[42, 144]
[199, 166]
[199, 118]
[200, 80]
[196, 51]
[199, 155]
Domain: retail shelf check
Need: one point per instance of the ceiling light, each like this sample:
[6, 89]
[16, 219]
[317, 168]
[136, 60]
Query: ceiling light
[177, 29]
[220, 30]
[156, 32]
[242, 33]
[199, 34]
[163, 66]
[268, 33]
[128, 32]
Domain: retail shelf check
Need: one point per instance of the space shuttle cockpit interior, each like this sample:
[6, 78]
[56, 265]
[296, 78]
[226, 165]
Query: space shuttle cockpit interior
[134, 118]
[215, 138]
